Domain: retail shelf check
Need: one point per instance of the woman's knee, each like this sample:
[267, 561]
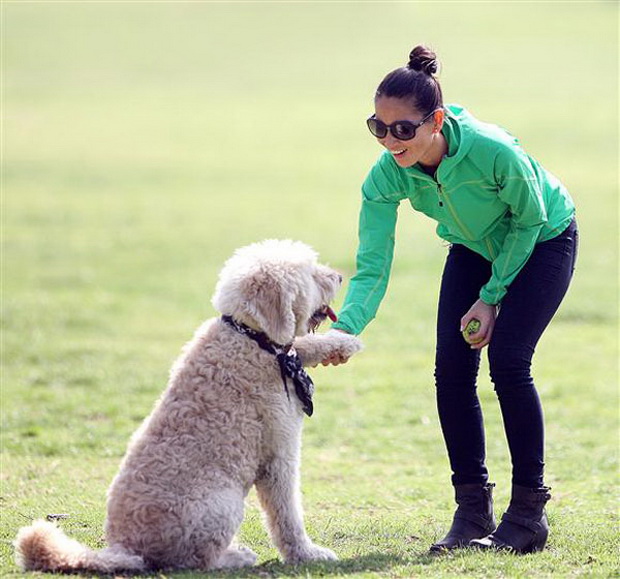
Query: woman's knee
[456, 368]
[509, 367]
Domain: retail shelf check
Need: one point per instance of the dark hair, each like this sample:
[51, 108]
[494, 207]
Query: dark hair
[415, 81]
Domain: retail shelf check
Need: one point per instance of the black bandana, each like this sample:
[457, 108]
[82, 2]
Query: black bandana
[288, 360]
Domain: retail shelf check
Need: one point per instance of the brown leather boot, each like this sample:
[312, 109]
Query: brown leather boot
[473, 518]
[524, 527]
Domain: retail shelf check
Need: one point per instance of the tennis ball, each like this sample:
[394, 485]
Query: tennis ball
[471, 328]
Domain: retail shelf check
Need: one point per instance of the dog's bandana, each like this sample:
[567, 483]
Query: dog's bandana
[288, 360]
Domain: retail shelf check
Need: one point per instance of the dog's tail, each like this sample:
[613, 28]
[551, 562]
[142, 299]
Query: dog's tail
[44, 547]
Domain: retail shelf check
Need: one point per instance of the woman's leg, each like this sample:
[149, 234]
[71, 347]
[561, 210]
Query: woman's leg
[456, 370]
[532, 300]
[456, 367]
[530, 304]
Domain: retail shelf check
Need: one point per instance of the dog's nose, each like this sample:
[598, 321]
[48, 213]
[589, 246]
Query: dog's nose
[340, 278]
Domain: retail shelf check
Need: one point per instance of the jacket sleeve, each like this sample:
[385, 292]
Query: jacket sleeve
[377, 225]
[520, 189]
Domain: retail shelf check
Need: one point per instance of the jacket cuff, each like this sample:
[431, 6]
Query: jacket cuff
[343, 327]
[494, 297]
[352, 319]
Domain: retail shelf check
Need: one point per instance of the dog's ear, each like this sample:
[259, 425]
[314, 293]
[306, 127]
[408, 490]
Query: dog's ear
[270, 303]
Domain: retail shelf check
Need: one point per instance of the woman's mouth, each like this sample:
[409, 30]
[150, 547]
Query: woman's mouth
[399, 152]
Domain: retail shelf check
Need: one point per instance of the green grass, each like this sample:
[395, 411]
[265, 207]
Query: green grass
[144, 142]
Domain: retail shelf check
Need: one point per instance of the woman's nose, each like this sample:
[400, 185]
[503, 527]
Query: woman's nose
[389, 141]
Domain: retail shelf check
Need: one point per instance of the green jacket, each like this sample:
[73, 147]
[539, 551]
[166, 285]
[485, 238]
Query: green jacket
[486, 194]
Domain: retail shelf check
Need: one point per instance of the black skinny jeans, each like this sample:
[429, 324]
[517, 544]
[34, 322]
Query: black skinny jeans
[532, 300]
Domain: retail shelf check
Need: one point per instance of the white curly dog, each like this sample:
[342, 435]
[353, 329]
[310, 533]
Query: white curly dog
[230, 418]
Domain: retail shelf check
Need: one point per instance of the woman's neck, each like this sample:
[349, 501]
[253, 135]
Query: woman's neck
[437, 151]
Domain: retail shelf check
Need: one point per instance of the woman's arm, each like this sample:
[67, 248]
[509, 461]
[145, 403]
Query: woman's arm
[520, 190]
[382, 192]
[367, 288]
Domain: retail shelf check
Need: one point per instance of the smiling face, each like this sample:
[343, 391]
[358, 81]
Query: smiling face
[427, 147]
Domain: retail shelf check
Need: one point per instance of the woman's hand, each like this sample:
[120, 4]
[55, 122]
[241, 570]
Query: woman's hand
[486, 315]
[334, 360]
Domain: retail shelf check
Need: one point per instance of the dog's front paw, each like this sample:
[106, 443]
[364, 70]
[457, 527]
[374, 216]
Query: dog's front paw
[311, 552]
[343, 344]
[314, 349]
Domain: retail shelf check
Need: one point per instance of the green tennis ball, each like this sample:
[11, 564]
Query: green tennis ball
[471, 328]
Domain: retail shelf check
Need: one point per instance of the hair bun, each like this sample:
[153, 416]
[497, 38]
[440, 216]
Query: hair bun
[423, 59]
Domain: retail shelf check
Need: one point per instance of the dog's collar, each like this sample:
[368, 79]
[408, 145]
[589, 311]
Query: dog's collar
[261, 338]
[288, 360]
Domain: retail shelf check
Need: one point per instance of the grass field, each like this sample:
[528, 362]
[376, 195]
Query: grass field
[144, 142]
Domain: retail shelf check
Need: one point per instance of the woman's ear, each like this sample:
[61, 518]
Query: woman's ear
[438, 118]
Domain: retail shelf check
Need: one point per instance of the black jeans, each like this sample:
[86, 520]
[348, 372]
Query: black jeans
[532, 300]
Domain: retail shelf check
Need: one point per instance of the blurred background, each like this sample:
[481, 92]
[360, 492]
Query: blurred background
[142, 142]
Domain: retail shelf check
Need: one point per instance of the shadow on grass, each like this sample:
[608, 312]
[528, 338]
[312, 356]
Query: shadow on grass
[370, 562]
[273, 568]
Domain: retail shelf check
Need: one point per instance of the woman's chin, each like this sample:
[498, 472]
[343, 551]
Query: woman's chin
[405, 160]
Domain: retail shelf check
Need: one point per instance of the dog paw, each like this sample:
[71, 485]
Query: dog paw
[311, 552]
[332, 345]
[234, 558]
[343, 344]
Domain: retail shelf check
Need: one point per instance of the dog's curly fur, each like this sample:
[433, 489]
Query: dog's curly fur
[223, 424]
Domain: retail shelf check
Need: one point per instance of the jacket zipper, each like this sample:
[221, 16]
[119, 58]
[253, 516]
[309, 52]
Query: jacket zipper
[490, 248]
[444, 199]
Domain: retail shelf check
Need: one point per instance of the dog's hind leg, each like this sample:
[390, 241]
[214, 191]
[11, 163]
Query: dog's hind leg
[278, 492]
[215, 523]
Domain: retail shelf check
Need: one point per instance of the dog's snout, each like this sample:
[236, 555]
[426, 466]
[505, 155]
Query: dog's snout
[339, 278]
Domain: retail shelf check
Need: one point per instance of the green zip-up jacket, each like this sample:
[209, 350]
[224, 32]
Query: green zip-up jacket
[486, 194]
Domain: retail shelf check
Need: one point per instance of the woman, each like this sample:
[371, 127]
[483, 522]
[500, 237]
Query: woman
[513, 236]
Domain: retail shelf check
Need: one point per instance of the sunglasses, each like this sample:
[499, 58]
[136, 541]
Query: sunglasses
[401, 130]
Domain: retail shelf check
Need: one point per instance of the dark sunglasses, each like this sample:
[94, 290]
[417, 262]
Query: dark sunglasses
[401, 130]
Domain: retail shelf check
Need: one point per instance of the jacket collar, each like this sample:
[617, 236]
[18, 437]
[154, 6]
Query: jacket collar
[458, 131]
